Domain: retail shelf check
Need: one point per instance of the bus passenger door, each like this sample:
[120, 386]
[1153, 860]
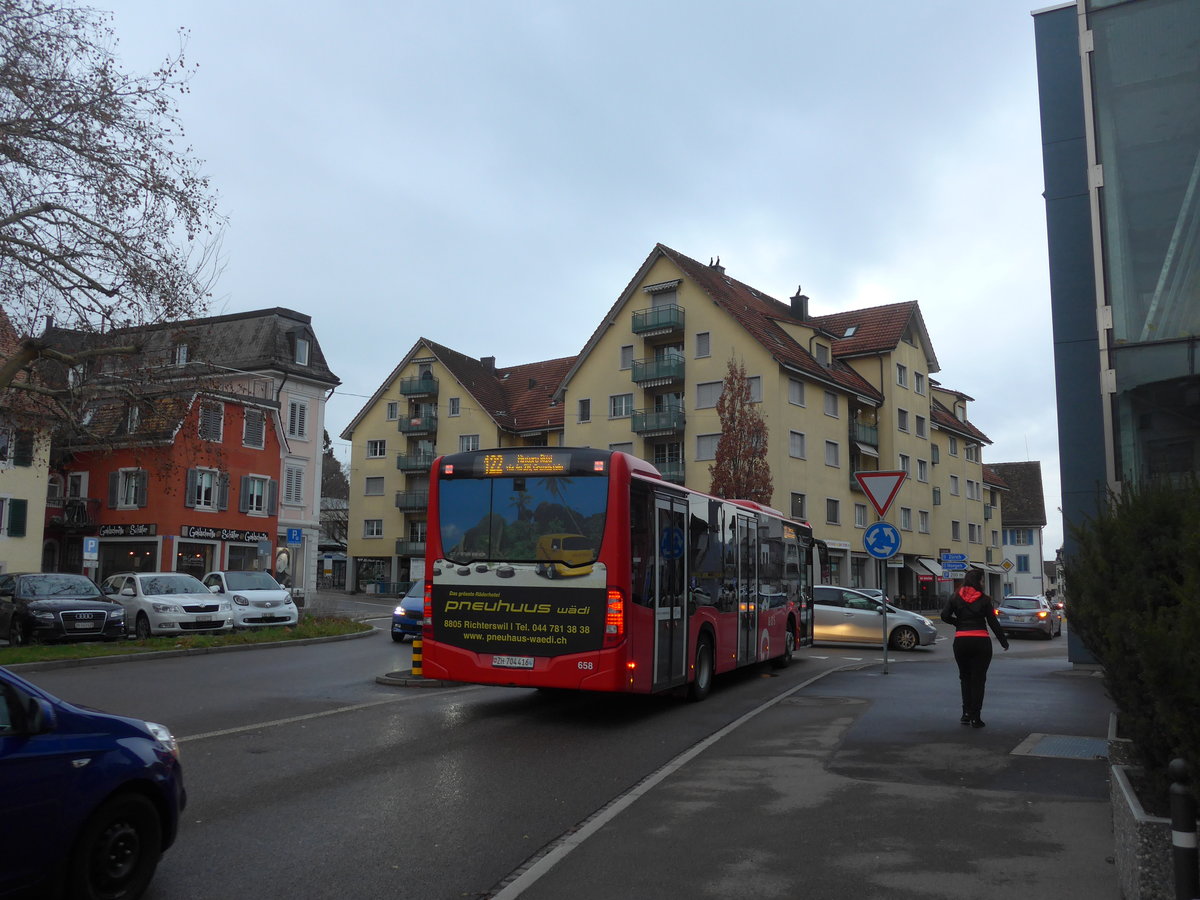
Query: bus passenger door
[670, 592]
[747, 543]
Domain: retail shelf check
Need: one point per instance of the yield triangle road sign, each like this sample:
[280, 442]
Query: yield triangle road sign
[881, 488]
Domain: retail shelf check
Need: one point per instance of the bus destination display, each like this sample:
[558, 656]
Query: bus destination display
[525, 463]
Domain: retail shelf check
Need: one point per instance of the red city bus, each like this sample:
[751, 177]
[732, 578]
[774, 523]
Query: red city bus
[584, 569]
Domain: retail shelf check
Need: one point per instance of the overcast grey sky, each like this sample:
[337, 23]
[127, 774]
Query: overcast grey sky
[490, 174]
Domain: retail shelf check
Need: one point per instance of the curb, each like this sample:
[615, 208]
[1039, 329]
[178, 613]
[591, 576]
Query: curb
[405, 678]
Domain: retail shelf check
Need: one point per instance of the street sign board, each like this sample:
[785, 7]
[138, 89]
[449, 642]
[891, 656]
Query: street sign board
[91, 548]
[1007, 565]
[882, 540]
[954, 557]
[294, 535]
[948, 565]
[881, 488]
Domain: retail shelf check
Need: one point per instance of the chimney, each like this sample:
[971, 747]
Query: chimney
[799, 305]
[717, 265]
[489, 363]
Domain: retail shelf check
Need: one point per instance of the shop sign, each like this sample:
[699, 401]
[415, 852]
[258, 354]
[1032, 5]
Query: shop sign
[144, 530]
[208, 533]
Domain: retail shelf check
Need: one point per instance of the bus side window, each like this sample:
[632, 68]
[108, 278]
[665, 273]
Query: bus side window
[642, 551]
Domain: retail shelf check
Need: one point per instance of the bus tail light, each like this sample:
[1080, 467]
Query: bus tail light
[614, 618]
[428, 610]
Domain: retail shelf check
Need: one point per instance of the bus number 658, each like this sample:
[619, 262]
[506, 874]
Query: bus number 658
[586, 665]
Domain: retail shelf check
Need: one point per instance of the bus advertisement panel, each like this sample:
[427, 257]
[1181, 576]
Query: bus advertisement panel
[580, 568]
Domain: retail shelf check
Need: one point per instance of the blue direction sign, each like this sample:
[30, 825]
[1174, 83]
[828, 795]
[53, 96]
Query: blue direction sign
[882, 540]
[952, 565]
[954, 557]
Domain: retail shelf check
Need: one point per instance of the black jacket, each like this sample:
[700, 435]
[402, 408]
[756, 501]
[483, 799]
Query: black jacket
[976, 615]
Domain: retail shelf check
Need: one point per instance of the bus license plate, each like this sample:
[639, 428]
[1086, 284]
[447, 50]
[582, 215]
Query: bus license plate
[512, 662]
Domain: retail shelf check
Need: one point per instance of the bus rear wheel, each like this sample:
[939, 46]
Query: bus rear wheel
[703, 671]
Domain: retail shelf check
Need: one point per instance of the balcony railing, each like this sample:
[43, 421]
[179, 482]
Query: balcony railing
[410, 548]
[671, 471]
[419, 386]
[73, 513]
[418, 424]
[662, 369]
[657, 420]
[668, 317]
[414, 462]
[412, 501]
[866, 434]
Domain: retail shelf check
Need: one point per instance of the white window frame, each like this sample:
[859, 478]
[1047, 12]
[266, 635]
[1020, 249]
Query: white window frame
[257, 488]
[922, 470]
[703, 389]
[919, 383]
[902, 375]
[905, 518]
[585, 409]
[297, 424]
[833, 454]
[468, 442]
[208, 488]
[796, 392]
[454, 407]
[376, 448]
[923, 521]
[392, 411]
[302, 351]
[860, 515]
[703, 344]
[922, 427]
[902, 420]
[620, 406]
[293, 485]
[755, 384]
[706, 446]
[374, 481]
[372, 529]
[953, 485]
[831, 405]
[796, 448]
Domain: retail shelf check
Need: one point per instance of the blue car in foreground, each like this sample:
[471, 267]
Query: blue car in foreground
[88, 801]
[409, 617]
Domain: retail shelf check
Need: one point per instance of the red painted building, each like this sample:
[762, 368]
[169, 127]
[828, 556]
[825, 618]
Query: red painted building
[180, 483]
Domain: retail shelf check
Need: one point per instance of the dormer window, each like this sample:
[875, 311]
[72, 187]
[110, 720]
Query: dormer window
[134, 417]
[850, 331]
[822, 354]
[179, 355]
[301, 351]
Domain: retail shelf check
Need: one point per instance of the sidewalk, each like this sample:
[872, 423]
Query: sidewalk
[864, 785]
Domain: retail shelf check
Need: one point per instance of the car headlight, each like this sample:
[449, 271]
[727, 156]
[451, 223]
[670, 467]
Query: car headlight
[398, 611]
[927, 621]
[44, 616]
[165, 608]
[225, 607]
[287, 599]
[163, 735]
[116, 614]
[240, 600]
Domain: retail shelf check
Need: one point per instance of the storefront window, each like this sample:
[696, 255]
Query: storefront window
[195, 559]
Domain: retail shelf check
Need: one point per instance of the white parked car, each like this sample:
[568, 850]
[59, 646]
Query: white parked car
[167, 603]
[258, 599]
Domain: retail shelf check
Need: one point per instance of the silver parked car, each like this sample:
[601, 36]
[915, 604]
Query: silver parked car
[258, 599]
[1029, 615]
[847, 615]
[167, 603]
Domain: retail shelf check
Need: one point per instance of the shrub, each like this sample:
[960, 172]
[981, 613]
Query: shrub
[1133, 589]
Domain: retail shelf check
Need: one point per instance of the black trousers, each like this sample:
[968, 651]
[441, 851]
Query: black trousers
[973, 655]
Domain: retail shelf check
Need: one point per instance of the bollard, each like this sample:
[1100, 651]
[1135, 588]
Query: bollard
[1183, 832]
[416, 659]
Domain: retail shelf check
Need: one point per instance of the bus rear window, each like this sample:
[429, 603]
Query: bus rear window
[525, 519]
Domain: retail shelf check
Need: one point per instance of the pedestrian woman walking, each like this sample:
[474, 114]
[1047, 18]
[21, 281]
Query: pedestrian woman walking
[971, 613]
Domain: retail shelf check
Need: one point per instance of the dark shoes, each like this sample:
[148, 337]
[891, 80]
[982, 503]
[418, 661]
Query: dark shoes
[977, 722]
[966, 719]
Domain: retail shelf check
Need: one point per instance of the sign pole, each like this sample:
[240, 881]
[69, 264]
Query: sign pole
[882, 565]
[882, 540]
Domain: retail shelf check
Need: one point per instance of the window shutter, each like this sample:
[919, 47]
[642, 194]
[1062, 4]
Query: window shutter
[244, 495]
[17, 510]
[23, 449]
[114, 486]
[189, 494]
[141, 483]
[301, 425]
[272, 497]
[223, 490]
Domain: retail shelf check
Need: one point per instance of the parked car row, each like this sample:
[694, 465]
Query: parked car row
[58, 607]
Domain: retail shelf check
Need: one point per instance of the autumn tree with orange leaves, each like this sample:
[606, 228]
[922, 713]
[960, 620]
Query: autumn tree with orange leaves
[741, 470]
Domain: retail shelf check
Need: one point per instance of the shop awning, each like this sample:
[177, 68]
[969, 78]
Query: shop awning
[932, 565]
[867, 449]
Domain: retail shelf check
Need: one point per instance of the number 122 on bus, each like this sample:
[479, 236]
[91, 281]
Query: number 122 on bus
[584, 569]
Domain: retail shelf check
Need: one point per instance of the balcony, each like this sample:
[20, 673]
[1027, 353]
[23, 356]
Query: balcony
[657, 421]
[410, 548]
[663, 319]
[864, 434]
[426, 424]
[987, 510]
[414, 462]
[73, 514]
[419, 386]
[659, 371]
[412, 501]
[671, 471]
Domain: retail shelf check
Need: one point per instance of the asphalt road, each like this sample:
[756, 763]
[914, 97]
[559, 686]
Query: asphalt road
[309, 779]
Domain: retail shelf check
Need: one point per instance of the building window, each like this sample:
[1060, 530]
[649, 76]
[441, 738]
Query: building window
[373, 486]
[301, 351]
[902, 420]
[972, 452]
[455, 406]
[393, 411]
[833, 511]
[707, 394]
[796, 445]
[905, 463]
[922, 427]
[860, 515]
[831, 453]
[703, 345]
[831, 404]
[918, 382]
[254, 429]
[799, 506]
[922, 470]
[952, 445]
[822, 354]
[293, 486]
[620, 406]
[935, 453]
[706, 446]
[953, 485]
[937, 496]
[795, 392]
[755, 384]
[297, 419]
[923, 521]
[212, 420]
[626, 447]
[1022, 563]
[585, 410]
[206, 489]
[467, 442]
[133, 418]
[905, 519]
[627, 356]
[974, 533]
[955, 531]
[77, 484]
[127, 489]
[901, 375]
[258, 496]
[179, 354]
[373, 528]
[376, 449]
[666, 454]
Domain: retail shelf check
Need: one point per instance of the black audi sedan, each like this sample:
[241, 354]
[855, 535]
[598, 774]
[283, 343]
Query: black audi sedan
[56, 606]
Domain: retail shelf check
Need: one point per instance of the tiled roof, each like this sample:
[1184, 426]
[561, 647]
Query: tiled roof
[530, 391]
[876, 329]
[944, 419]
[1025, 504]
[990, 477]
